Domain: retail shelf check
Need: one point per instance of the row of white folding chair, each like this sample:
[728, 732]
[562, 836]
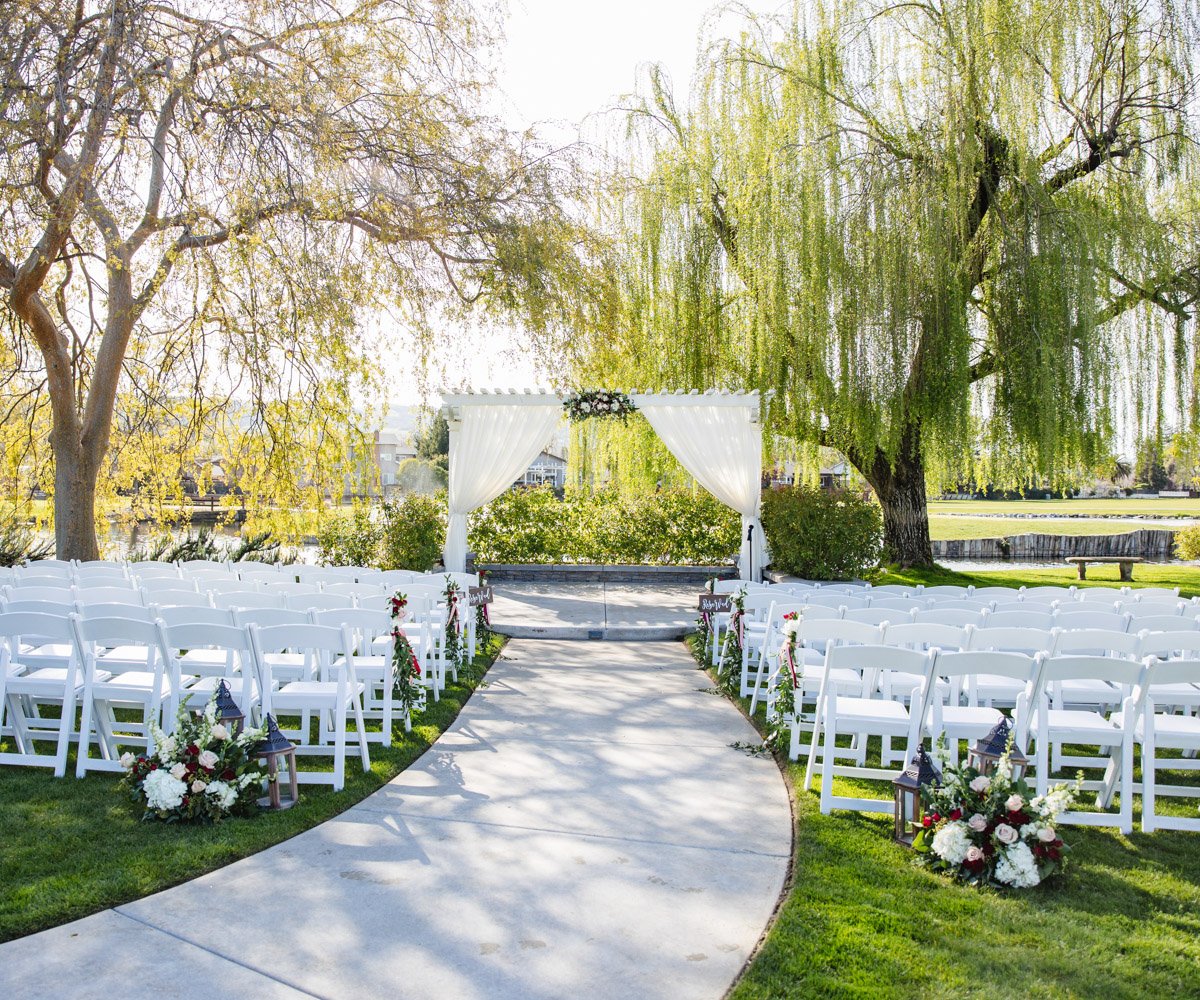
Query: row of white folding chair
[868, 715]
[153, 683]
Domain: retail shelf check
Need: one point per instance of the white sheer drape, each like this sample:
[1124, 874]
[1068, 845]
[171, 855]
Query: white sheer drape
[489, 449]
[721, 446]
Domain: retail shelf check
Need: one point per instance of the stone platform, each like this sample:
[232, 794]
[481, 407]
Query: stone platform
[612, 611]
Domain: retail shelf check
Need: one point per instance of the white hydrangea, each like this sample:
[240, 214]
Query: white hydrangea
[223, 794]
[952, 842]
[1017, 867]
[163, 790]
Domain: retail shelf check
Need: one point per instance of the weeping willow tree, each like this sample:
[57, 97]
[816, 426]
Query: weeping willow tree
[948, 236]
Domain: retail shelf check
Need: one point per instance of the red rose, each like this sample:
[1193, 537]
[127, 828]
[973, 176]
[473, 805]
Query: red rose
[191, 766]
[956, 814]
[936, 818]
[153, 766]
[193, 749]
[227, 774]
[926, 821]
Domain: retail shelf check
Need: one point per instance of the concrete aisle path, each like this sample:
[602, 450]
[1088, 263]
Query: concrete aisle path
[584, 830]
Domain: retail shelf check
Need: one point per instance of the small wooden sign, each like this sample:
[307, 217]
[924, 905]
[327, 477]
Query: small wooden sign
[716, 604]
[478, 596]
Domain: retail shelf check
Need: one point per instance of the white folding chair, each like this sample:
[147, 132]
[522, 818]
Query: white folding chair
[949, 616]
[765, 676]
[906, 604]
[171, 597]
[1004, 689]
[1159, 727]
[320, 602]
[969, 669]
[1076, 617]
[245, 599]
[334, 695]
[876, 616]
[375, 669]
[208, 653]
[1101, 595]
[1032, 617]
[860, 717]
[1112, 734]
[950, 591]
[25, 689]
[998, 594]
[150, 688]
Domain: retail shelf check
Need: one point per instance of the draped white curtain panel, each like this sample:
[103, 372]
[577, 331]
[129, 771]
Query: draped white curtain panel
[492, 446]
[721, 446]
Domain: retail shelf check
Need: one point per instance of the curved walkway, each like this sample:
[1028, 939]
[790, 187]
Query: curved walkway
[583, 830]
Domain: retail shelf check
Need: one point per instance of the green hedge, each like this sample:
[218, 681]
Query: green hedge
[821, 535]
[407, 533]
[668, 527]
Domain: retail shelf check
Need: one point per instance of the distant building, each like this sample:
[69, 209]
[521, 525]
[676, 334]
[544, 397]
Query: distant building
[833, 477]
[391, 447]
[548, 469]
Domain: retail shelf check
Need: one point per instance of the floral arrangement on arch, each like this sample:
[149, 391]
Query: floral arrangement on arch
[406, 668]
[598, 403]
[991, 829]
[200, 773]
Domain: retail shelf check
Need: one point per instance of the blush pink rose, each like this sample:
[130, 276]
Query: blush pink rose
[1014, 802]
[1047, 835]
[977, 823]
[974, 853]
[981, 784]
[1006, 834]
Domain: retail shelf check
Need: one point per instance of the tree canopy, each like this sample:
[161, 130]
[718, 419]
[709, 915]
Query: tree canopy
[950, 237]
[204, 209]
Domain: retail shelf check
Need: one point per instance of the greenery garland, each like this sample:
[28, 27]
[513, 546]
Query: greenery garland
[785, 679]
[729, 671]
[406, 676]
[598, 403]
[454, 648]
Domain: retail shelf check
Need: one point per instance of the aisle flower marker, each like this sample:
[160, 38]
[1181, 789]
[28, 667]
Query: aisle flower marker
[201, 773]
[406, 677]
[991, 829]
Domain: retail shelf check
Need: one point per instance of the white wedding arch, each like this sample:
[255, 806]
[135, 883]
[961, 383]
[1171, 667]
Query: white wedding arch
[716, 436]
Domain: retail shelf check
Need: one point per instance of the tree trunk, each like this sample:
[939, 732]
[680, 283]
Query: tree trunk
[900, 487]
[75, 502]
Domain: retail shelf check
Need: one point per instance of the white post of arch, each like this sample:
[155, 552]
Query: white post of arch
[716, 436]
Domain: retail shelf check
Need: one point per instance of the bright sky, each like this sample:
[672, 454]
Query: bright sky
[562, 62]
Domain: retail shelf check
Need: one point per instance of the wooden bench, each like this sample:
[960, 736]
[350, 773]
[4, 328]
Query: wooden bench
[1126, 564]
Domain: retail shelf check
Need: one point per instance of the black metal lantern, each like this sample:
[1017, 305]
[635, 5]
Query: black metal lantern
[907, 790]
[275, 748]
[986, 753]
[227, 711]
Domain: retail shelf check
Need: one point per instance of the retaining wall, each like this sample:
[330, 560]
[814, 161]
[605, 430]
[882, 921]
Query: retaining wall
[1149, 543]
[596, 573]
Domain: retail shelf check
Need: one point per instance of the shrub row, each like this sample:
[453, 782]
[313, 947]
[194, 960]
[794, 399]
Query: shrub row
[821, 535]
[668, 527]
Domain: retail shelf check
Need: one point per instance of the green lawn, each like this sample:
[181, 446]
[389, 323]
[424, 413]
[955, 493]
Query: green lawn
[957, 527]
[1117, 507]
[71, 847]
[1185, 577]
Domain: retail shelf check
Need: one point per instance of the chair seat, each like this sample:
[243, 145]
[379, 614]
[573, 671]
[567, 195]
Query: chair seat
[125, 654]
[1176, 694]
[903, 683]
[875, 711]
[842, 678]
[307, 694]
[204, 687]
[1081, 723]
[970, 719]
[137, 683]
[1169, 728]
[205, 660]
[47, 681]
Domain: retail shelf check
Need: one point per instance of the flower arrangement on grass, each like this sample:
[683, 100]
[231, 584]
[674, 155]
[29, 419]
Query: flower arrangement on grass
[991, 829]
[200, 773]
[406, 673]
[598, 403]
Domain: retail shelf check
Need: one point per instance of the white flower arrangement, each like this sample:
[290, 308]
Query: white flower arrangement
[199, 774]
[598, 403]
[989, 829]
